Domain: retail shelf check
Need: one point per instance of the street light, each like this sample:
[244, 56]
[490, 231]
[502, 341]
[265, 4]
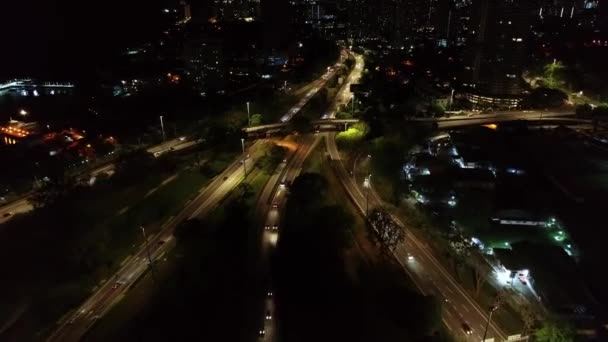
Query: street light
[23, 112]
[492, 309]
[162, 127]
[367, 184]
[150, 265]
[248, 115]
[244, 159]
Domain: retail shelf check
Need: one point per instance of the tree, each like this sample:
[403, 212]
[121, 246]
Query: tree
[343, 115]
[256, 119]
[244, 191]
[386, 232]
[273, 156]
[52, 192]
[554, 331]
[481, 270]
[529, 316]
[336, 224]
[436, 110]
[600, 112]
[308, 188]
[584, 111]
[552, 75]
[301, 124]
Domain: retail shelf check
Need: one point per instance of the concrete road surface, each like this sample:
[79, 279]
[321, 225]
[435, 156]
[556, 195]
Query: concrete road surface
[85, 316]
[424, 269]
[23, 206]
[270, 205]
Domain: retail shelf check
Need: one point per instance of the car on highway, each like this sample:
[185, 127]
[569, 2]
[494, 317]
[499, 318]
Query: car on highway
[466, 328]
[275, 227]
[262, 333]
[7, 214]
[268, 315]
[275, 204]
[226, 178]
[266, 227]
[269, 294]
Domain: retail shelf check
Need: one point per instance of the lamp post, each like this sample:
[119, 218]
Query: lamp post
[244, 158]
[353, 107]
[485, 332]
[162, 127]
[368, 185]
[248, 115]
[150, 265]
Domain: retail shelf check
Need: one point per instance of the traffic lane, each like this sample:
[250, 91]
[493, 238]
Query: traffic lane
[456, 310]
[7, 212]
[457, 296]
[272, 221]
[137, 264]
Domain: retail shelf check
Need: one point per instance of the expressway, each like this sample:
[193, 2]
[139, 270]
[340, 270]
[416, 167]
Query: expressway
[269, 206]
[317, 85]
[111, 291]
[80, 320]
[418, 261]
[480, 119]
[345, 95]
[22, 205]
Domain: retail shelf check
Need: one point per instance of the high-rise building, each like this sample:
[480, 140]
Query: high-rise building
[498, 52]
[204, 63]
[236, 9]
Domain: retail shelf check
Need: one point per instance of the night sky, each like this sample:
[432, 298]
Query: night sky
[61, 38]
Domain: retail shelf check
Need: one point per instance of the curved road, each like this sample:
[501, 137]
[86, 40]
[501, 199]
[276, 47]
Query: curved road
[427, 273]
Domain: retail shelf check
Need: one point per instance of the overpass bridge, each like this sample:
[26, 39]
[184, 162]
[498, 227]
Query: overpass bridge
[544, 117]
[326, 124]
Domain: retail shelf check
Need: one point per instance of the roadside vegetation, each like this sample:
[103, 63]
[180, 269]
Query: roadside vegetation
[330, 276]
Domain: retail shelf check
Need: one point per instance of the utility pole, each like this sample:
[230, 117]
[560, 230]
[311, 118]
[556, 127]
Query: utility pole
[368, 183]
[353, 110]
[150, 265]
[244, 157]
[162, 127]
[248, 115]
[492, 309]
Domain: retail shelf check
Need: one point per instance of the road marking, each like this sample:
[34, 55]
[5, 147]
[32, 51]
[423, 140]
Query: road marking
[465, 308]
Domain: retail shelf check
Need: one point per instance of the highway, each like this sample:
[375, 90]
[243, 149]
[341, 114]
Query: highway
[80, 320]
[22, 206]
[345, 95]
[269, 206]
[110, 292]
[427, 273]
[317, 85]
[480, 119]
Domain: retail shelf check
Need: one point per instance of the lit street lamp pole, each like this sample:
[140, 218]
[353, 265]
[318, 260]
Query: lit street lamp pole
[248, 115]
[162, 127]
[368, 185]
[143, 233]
[492, 309]
[244, 158]
[353, 110]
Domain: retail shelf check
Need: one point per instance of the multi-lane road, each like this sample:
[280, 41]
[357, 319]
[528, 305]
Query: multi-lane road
[85, 316]
[316, 86]
[496, 117]
[419, 262]
[270, 204]
[81, 319]
[23, 205]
